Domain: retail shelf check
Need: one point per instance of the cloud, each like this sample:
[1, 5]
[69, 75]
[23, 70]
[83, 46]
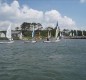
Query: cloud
[64, 22]
[52, 15]
[3, 24]
[16, 14]
[82, 1]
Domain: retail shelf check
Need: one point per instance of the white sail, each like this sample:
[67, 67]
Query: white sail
[33, 32]
[56, 35]
[82, 33]
[73, 33]
[70, 34]
[48, 35]
[20, 36]
[33, 41]
[8, 33]
[57, 32]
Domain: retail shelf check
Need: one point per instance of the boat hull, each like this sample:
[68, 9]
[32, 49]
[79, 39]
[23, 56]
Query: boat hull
[30, 41]
[6, 42]
[51, 41]
[46, 41]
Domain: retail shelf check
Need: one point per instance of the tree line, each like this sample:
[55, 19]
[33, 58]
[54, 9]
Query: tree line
[26, 30]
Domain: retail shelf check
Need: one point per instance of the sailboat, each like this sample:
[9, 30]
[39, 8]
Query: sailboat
[48, 37]
[20, 36]
[57, 34]
[56, 39]
[32, 41]
[8, 35]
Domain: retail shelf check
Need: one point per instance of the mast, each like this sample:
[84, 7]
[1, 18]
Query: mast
[33, 32]
[57, 30]
[48, 34]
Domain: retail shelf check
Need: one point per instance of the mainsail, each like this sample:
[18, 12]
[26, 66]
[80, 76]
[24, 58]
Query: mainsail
[20, 36]
[48, 34]
[8, 33]
[57, 31]
[33, 32]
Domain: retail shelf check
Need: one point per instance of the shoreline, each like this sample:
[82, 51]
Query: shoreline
[75, 37]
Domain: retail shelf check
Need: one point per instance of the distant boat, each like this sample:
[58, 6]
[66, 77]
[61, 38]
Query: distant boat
[20, 36]
[56, 39]
[48, 38]
[32, 41]
[8, 35]
[57, 35]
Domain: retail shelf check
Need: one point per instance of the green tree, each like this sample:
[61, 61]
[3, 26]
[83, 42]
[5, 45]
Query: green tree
[84, 33]
[25, 26]
[39, 29]
[34, 24]
[39, 25]
[17, 28]
[79, 33]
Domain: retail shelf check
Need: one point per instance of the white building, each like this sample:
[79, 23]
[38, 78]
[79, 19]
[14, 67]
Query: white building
[2, 34]
[17, 34]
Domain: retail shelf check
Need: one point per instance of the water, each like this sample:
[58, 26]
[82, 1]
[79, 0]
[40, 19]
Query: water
[65, 60]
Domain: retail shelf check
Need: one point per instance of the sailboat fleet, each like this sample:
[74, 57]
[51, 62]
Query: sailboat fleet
[56, 38]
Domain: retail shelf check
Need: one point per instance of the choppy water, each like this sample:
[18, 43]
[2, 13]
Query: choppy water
[65, 60]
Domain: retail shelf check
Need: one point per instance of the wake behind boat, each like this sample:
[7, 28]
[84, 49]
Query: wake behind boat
[8, 35]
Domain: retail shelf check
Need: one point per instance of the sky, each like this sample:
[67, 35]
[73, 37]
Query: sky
[70, 14]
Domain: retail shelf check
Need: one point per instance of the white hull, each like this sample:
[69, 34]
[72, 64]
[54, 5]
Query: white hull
[26, 41]
[30, 41]
[51, 41]
[46, 41]
[6, 42]
[33, 41]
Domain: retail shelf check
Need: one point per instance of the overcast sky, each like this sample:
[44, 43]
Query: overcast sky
[70, 14]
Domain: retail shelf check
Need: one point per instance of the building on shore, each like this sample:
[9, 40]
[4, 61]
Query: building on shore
[2, 34]
[17, 35]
